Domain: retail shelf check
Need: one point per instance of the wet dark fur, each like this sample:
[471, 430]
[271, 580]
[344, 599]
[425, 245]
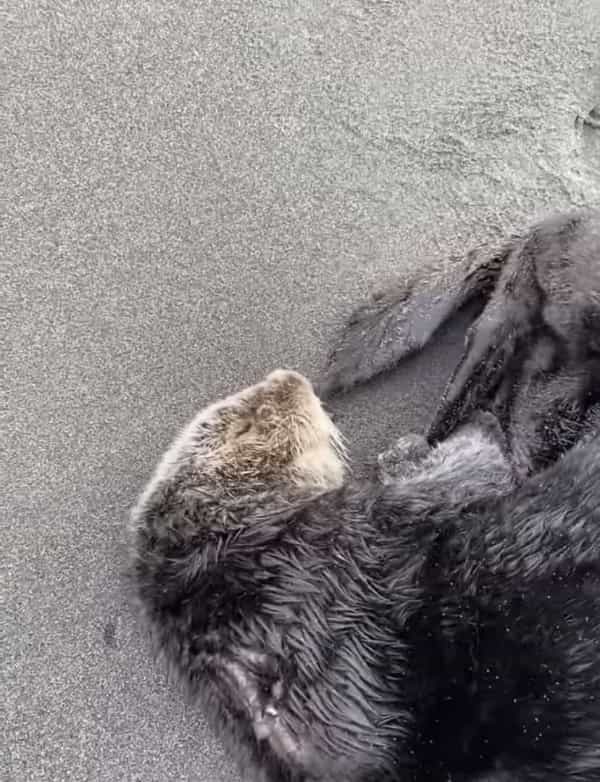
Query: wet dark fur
[533, 354]
[418, 630]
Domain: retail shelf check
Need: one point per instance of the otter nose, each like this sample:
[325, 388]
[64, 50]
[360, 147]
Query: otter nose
[287, 376]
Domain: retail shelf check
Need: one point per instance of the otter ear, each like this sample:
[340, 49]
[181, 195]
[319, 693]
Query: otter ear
[400, 321]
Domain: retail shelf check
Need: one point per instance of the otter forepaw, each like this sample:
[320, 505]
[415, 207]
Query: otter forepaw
[488, 423]
[402, 458]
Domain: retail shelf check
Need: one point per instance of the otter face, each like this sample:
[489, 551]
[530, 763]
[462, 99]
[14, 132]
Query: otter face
[274, 431]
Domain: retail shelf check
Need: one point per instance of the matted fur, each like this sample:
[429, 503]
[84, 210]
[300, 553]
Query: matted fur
[532, 356]
[433, 627]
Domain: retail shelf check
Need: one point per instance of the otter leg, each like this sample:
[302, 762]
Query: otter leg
[469, 466]
[250, 673]
[248, 694]
[256, 687]
[411, 455]
[270, 728]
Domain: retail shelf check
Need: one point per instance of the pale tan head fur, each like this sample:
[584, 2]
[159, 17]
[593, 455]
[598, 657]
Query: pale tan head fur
[275, 431]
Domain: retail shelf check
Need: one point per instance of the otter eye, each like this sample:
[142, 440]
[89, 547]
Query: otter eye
[264, 412]
[244, 429]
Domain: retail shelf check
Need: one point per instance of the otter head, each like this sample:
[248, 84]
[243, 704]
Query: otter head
[275, 432]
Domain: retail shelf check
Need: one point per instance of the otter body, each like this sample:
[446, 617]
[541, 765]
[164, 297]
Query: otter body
[532, 356]
[440, 625]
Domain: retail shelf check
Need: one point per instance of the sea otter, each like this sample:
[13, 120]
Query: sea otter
[439, 626]
[532, 356]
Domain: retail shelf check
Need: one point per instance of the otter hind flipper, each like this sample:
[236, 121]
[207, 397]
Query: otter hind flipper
[492, 346]
[398, 322]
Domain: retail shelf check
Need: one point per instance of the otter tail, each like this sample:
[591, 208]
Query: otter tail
[399, 322]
